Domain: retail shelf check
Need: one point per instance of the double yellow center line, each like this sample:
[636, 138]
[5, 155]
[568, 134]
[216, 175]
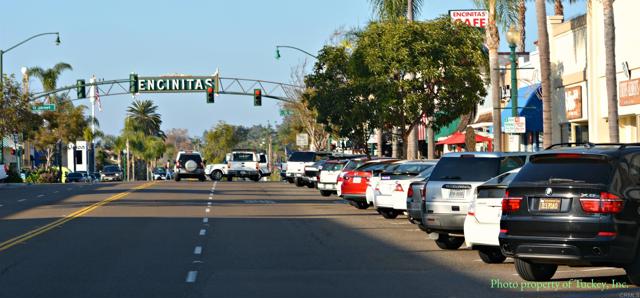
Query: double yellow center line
[43, 229]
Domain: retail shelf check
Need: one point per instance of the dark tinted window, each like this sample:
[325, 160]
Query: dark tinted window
[467, 169]
[353, 164]
[302, 156]
[581, 168]
[491, 193]
[333, 167]
[243, 157]
[186, 157]
[263, 158]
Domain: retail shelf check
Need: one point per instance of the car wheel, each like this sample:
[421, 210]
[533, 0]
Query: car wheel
[360, 205]
[256, 178]
[216, 175]
[290, 180]
[177, 178]
[491, 255]
[229, 178]
[633, 271]
[202, 178]
[299, 183]
[445, 241]
[388, 213]
[530, 271]
[325, 193]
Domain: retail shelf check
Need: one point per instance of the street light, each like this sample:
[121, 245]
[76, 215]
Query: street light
[2, 52]
[290, 47]
[513, 38]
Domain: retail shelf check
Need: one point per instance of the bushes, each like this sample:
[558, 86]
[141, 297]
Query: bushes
[42, 176]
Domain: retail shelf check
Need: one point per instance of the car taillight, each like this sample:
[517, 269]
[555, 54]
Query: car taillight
[606, 203]
[398, 188]
[504, 231]
[423, 193]
[178, 165]
[340, 179]
[472, 209]
[410, 192]
[510, 204]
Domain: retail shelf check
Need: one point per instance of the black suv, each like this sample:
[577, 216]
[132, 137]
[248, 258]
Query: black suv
[574, 206]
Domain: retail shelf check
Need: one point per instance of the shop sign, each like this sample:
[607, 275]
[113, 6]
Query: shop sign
[629, 92]
[573, 102]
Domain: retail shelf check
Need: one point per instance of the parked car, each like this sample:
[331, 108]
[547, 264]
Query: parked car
[243, 163]
[575, 207]
[391, 192]
[298, 160]
[216, 171]
[451, 188]
[312, 173]
[328, 180]
[482, 224]
[351, 165]
[111, 173]
[159, 173]
[189, 164]
[354, 182]
[3, 172]
[74, 177]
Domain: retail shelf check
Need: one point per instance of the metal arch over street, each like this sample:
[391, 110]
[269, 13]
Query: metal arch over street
[233, 86]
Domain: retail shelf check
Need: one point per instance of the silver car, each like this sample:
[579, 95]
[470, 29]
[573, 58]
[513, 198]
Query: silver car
[451, 188]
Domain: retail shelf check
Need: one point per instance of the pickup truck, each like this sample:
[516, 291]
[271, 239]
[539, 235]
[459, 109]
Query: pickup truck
[247, 164]
[297, 161]
[216, 171]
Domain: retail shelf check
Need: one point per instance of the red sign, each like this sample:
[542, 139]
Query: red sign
[573, 102]
[471, 17]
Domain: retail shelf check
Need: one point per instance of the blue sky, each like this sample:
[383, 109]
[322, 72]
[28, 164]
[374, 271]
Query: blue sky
[114, 38]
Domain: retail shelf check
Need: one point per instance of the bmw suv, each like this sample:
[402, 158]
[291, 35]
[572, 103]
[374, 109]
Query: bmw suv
[577, 207]
[451, 189]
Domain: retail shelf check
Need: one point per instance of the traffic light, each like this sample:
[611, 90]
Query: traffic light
[133, 83]
[80, 89]
[257, 97]
[210, 95]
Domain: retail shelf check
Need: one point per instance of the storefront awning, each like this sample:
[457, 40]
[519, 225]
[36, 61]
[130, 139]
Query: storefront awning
[529, 106]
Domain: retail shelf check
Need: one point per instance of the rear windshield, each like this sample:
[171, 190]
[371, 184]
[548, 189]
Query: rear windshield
[406, 169]
[474, 169]
[375, 167]
[302, 156]
[243, 157]
[557, 168]
[187, 157]
[263, 158]
[110, 169]
[353, 164]
[333, 167]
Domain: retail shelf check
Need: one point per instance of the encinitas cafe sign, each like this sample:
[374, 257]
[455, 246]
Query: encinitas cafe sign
[472, 17]
[176, 84]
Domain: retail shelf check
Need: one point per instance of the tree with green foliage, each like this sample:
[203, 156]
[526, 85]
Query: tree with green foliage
[218, 141]
[15, 108]
[146, 118]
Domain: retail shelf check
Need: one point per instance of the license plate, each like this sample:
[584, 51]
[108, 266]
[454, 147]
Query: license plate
[357, 179]
[456, 194]
[549, 205]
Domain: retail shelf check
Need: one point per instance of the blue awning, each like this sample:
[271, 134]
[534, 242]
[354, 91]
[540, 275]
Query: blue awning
[529, 106]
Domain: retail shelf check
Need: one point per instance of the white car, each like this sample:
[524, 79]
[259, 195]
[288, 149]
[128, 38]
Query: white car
[3, 172]
[482, 224]
[297, 161]
[392, 188]
[216, 171]
[329, 177]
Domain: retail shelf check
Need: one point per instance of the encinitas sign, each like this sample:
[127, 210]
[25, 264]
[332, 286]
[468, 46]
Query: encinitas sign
[472, 17]
[176, 84]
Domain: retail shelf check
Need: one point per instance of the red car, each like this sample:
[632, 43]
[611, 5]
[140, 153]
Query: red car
[354, 182]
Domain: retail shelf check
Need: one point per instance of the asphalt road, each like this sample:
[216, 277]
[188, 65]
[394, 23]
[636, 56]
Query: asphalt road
[240, 239]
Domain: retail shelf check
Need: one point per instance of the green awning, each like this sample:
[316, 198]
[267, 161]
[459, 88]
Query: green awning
[448, 130]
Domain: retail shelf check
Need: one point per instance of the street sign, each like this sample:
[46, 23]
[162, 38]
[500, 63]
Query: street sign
[45, 107]
[515, 125]
[284, 112]
[472, 17]
[302, 139]
[176, 84]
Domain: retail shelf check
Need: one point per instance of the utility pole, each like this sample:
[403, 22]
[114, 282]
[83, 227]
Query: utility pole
[412, 139]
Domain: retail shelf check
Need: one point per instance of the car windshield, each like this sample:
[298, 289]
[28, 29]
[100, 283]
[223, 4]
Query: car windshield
[566, 168]
[302, 156]
[160, 170]
[243, 157]
[186, 157]
[110, 169]
[333, 166]
[473, 169]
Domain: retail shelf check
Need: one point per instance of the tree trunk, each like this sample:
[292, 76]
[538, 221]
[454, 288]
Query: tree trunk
[431, 146]
[493, 42]
[610, 70]
[412, 139]
[545, 72]
[394, 143]
[522, 22]
[379, 141]
[559, 8]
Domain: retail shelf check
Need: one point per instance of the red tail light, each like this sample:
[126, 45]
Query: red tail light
[510, 204]
[399, 188]
[178, 165]
[503, 231]
[607, 234]
[607, 203]
[340, 179]
[410, 192]
[423, 193]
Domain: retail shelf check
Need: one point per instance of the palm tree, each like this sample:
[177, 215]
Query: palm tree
[145, 117]
[501, 12]
[559, 7]
[545, 71]
[522, 22]
[610, 69]
[49, 77]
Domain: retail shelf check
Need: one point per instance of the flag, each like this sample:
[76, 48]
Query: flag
[422, 128]
[95, 93]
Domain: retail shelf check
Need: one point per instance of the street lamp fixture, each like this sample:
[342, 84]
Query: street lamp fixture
[294, 48]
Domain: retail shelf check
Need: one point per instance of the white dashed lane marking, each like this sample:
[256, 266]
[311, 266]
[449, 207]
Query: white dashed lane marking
[21, 200]
[202, 232]
[204, 220]
[40, 196]
[197, 250]
[191, 276]
[207, 210]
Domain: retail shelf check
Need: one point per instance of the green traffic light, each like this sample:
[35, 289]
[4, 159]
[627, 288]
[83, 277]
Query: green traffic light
[133, 83]
[277, 53]
[80, 89]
